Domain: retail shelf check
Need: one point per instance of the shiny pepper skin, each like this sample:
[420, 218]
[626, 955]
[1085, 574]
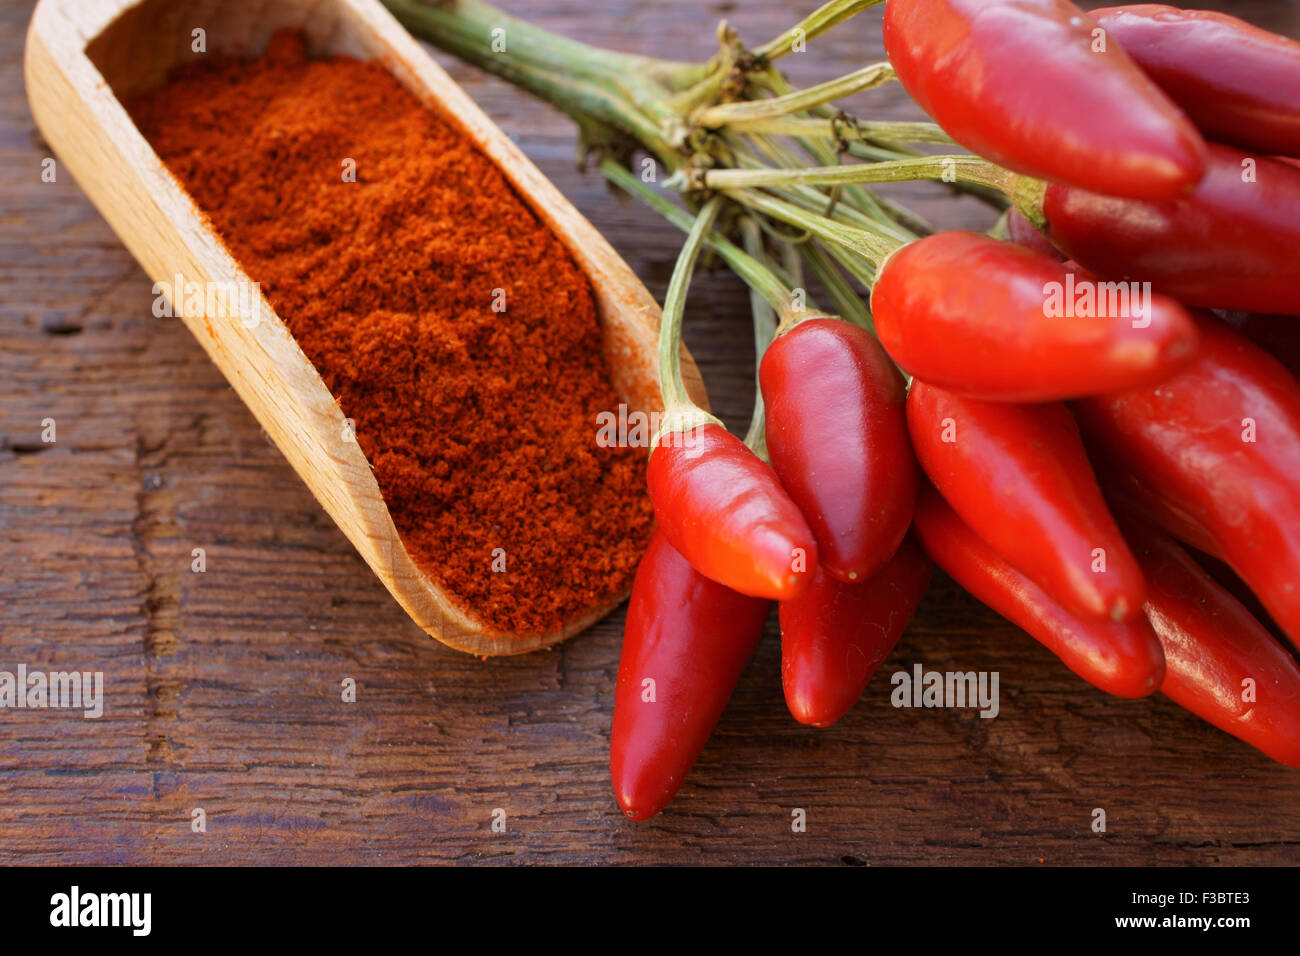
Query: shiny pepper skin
[1019, 478]
[686, 641]
[975, 315]
[837, 438]
[1239, 84]
[1124, 659]
[1220, 443]
[725, 511]
[834, 635]
[1230, 244]
[1128, 495]
[1021, 83]
[1221, 663]
[1022, 233]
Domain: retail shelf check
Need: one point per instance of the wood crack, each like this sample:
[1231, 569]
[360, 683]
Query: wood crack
[158, 603]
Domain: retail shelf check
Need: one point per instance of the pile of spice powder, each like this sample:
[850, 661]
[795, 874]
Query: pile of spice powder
[480, 424]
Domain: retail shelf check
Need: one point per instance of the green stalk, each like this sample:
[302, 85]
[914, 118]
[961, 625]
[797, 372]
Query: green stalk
[960, 168]
[917, 226]
[678, 407]
[866, 78]
[860, 201]
[818, 22]
[792, 263]
[602, 90]
[816, 202]
[760, 280]
[868, 244]
[809, 196]
[830, 129]
[999, 229]
[765, 323]
[853, 264]
[874, 149]
[880, 151]
[824, 153]
[847, 302]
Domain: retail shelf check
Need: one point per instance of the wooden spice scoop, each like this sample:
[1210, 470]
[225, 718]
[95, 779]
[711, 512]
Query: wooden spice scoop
[84, 57]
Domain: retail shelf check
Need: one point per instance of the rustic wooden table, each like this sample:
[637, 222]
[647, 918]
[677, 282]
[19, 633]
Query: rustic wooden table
[222, 688]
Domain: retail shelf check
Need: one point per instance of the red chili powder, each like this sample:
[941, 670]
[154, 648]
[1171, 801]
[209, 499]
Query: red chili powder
[480, 424]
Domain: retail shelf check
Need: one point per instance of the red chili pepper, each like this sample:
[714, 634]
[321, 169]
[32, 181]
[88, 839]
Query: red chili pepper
[1132, 501]
[998, 321]
[1019, 477]
[1228, 579]
[1238, 83]
[1221, 663]
[835, 635]
[726, 512]
[1231, 244]
[1128, 494]
[1024, 234]
[837, 437]
[686, 642]
[1124, 658]
[1020, 83]
[1220, 442]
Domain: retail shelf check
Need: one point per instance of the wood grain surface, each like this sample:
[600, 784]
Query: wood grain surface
[223, 688]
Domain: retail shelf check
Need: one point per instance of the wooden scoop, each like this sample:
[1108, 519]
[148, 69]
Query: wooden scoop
[85, 56]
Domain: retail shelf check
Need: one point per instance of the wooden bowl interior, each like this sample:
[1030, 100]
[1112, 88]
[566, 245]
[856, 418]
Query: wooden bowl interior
[137, 50]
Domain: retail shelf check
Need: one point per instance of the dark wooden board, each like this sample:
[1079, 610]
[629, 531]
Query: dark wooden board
[223, 687]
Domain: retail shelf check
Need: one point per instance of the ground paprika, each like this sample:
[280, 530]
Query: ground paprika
[479, 424]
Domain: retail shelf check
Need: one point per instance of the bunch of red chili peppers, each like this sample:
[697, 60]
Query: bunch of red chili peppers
[1120, 477]
[1112, 466]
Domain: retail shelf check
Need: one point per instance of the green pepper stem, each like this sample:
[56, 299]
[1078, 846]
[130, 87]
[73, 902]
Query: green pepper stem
[866, 78]
[819, 203]
[765, 322]
[854, 265]
[842, 129]
[999, 229]
[760, 279]
[870, 245]
[600, 89]
[823, 152]
[856, 201]
[846, 300]
[969, 169]
[1027, 196]
[672, 388]
[819, 21]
